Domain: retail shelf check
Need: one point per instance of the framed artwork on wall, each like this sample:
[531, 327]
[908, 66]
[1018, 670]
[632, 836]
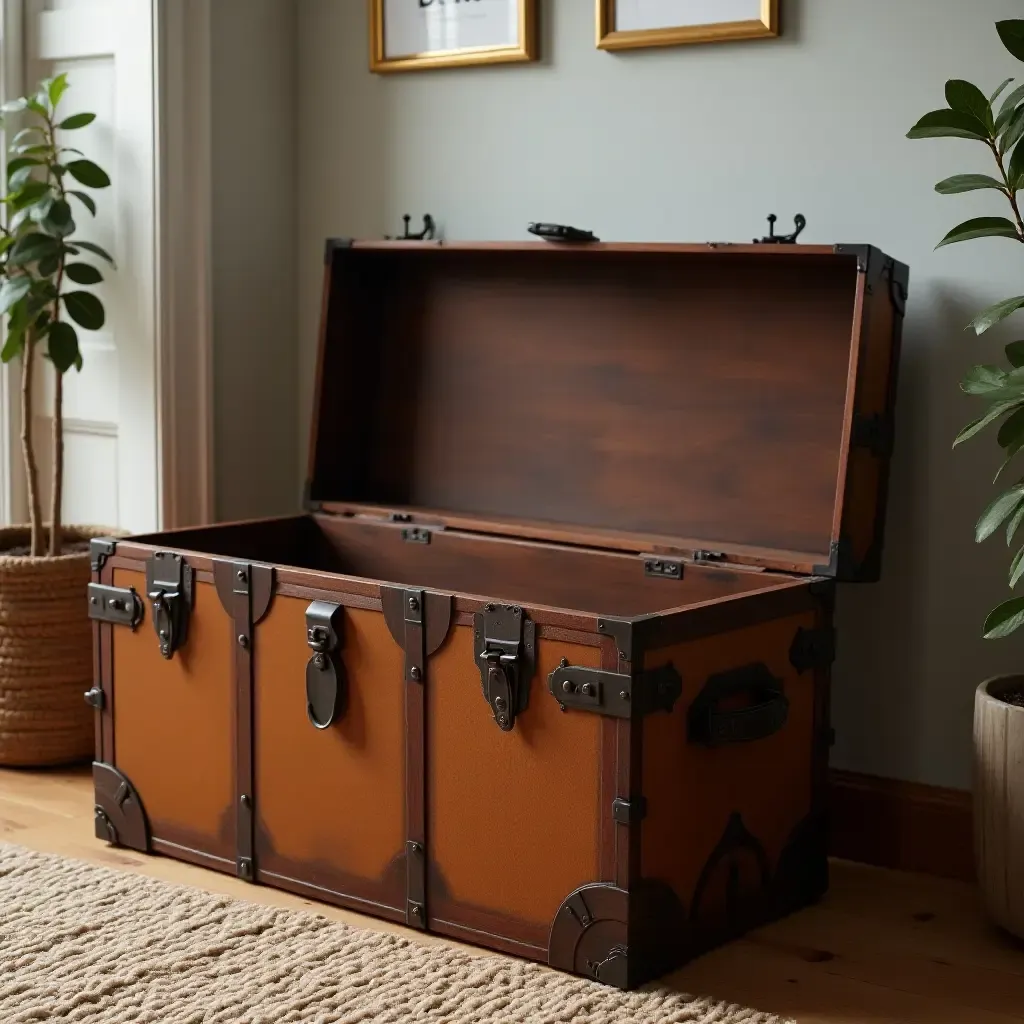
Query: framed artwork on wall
[413, 35]
[631, 24]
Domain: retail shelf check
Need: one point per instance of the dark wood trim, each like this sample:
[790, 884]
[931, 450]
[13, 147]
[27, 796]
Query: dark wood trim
[490, 940]
[204, 860]
[103, 634]
[907, 826]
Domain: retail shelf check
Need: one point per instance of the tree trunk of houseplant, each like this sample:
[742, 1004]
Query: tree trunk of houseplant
[45, 651]
[999, 799]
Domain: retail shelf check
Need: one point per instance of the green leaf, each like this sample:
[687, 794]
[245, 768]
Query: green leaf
[49, 265]
[85, 199]
[1012, 526]
[969, 99]
[41, 210]
[30, 248]
[59, 222]
[13, 290]
[1012, 35]
[1002, 621]
[997, 313]
[30, 193]
[20, 177]
[1011, 430]
[1013, 130]
[83, 273]
[91, 247]
[949, 124]
[13, 346]
[56, 87]
[980, 380]
[37, 105]
[22, 161]
[1015, 353]
[980, 227]
[1017, 568]
[1010, 453]
[88, 173]
[62, 346]
[998, 92]
[967, 183]
[1015, 172]
[25, 134]
[76, 121]
[998, 512]
[15, 106]
[85, 309]
[976, 426]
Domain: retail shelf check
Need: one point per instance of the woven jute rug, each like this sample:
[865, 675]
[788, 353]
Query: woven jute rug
[85, 944]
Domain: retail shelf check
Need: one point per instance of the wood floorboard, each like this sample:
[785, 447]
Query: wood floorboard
[884, 947]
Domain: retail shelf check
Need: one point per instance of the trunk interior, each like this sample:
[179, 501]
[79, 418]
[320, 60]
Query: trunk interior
[493, 568]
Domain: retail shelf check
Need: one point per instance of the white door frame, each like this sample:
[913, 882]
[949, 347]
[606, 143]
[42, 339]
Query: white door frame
[183, 321]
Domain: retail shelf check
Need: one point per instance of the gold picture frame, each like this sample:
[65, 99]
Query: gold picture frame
[523, 51]
[608, 38]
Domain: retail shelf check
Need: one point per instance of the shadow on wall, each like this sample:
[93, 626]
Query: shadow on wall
[920, 628]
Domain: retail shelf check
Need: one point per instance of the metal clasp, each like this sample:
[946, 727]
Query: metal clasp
[326, 681]
[506, 655]
[169, 587]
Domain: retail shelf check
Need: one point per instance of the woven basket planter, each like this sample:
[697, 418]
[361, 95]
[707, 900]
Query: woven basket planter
[999, 799]
[45, 653]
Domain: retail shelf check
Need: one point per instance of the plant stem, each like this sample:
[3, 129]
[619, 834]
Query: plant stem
[57, 487]
[1010, 192]
[27, 449]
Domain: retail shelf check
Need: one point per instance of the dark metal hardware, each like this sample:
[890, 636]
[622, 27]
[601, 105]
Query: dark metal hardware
[874, 433]
[326, 680]
[625, 812]
[416, 884]
[813, 648]
[800, 221]
[897, 290]
[506, 655]
[711, 725]
[416, 535]
[663, 568]
[169, 586]
[100, 549]
[621, 631]
[702, 557]
[561, 233]
[615, 693]
[429, 227]
[245, 869]
[399, 517]
[118, 605]
[95, 698]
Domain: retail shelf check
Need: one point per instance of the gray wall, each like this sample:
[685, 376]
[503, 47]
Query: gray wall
[253, 84]
[699, 143]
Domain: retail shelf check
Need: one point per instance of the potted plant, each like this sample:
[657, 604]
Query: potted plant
[997, 122]
[45, 634]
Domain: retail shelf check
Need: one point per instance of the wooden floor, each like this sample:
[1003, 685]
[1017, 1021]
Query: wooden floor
[883, 947]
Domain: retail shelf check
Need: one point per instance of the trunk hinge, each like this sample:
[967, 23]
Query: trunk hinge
[120, 606]
[615, 693]
[506, 653]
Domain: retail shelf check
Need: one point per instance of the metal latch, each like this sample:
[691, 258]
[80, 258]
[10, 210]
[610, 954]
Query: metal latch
[169, 586]
[661, 567]
[615, 693]
[118, 605]
[506, 655]
[326, 681]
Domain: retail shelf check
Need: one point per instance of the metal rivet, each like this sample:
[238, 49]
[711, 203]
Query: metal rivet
[241, 575]
[622, 655]
[499, 703]
[564, 663]
[245, 800]
[417, 910]
[243, 641]
[588, 689]
[623, 695]
[319, 660]
[501, 719]
[95, 600]
[600, 627]
[414, 603]
[415, 848]
[415, 674]
[567, 686]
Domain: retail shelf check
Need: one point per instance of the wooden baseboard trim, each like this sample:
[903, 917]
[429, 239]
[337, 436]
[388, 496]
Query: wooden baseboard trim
[902, 825]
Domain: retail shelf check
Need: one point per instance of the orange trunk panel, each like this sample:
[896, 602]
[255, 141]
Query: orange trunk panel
[512, 816]
[694, 791]
[174, 724]
[329, 803]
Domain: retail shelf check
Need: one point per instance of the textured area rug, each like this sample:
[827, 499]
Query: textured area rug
[86, 945]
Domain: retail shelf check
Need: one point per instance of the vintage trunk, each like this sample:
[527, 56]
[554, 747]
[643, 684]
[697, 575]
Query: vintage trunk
[545, 666]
